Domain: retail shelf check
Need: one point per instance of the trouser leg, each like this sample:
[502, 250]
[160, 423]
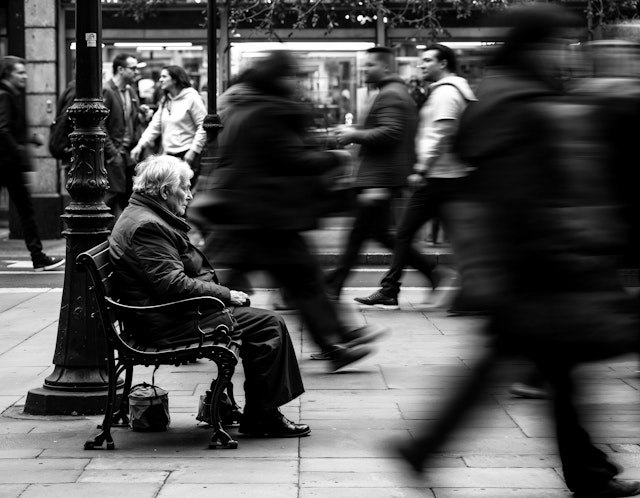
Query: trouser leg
[434, 434]
[420, 208]
[585, 467]
[299, 274]
[21, 198]
[269, 361]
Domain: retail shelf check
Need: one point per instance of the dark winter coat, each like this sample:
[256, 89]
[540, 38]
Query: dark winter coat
[387, 149]
[267, 178]
[13, 131]
[550, 219]
[155, 263]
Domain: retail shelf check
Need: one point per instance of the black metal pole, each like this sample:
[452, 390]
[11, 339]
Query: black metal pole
[212, 51]
[78, 384]
[212, 123]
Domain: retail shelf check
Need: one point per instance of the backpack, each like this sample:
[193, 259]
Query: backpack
[62, 126]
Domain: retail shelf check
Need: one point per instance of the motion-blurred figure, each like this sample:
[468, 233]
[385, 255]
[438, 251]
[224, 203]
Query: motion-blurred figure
[417, 92]
[542, 180]
[387, 153]
[437, 172]
[14, 156]
[265, 191]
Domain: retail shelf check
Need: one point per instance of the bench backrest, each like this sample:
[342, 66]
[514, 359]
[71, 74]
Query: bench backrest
[98, 264]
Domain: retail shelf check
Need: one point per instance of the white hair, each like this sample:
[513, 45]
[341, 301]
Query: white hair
[157, 172]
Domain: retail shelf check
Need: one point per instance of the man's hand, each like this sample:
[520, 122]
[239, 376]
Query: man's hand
[416, 180]
[189, 157]
[346, 135]
[136, 152]
[238, 298]
[37, 139]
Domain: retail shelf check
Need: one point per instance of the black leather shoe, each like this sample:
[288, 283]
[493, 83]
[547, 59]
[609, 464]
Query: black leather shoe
[273, 425]
[613, 489]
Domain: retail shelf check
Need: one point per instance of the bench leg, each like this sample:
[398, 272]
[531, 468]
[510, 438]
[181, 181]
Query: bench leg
[105, 433]
[220, 438]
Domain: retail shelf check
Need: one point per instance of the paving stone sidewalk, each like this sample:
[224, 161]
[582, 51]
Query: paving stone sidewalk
[506, 448]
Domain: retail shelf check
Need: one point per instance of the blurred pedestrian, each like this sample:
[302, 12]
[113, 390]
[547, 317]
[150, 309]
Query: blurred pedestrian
[417, 92]
[266, 190]
[14, 156]
[437, 172]
[539, 174]
[178, 121]
[387, 153]
[122, 126]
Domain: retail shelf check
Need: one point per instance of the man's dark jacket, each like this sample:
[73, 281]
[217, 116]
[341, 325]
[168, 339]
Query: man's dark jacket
[155, 263]
[115, 154]
[387, 150]
[267, 177]
[13, 131]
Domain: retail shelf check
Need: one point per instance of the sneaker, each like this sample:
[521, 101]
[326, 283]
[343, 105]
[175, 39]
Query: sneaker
[613, 489]
[365, 334]
[342, 356]
[442, 293]
[46, 263]
[379, 300]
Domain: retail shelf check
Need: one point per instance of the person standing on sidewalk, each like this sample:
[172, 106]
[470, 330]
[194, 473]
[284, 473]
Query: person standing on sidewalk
[437, 171]
[265, 191]
[387, 152]
[178, 121]
[122, 128]
[14, 156]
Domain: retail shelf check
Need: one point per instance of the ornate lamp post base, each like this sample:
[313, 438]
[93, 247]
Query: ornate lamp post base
[45, 401]
[79, 381]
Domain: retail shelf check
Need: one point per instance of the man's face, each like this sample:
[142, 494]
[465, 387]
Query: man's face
[18, 77]
[431, 67]
[374, 69]
[130, 73]
[178, 201]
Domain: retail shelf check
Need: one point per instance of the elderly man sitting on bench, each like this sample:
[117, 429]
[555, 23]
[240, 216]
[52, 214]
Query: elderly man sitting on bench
[155, 263]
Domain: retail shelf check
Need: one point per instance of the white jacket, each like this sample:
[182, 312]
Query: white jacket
[179, 121]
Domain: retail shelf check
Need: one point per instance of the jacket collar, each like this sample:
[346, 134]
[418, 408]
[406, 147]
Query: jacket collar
[392, 78]
[8, 87]
[138, 199]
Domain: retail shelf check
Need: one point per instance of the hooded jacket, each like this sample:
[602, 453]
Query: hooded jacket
[387, 146]
[439, 119]
[178, 121]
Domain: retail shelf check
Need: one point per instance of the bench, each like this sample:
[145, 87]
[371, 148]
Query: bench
[124, 352]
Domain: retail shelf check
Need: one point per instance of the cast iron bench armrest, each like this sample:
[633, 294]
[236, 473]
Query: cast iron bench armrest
[198, 304]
